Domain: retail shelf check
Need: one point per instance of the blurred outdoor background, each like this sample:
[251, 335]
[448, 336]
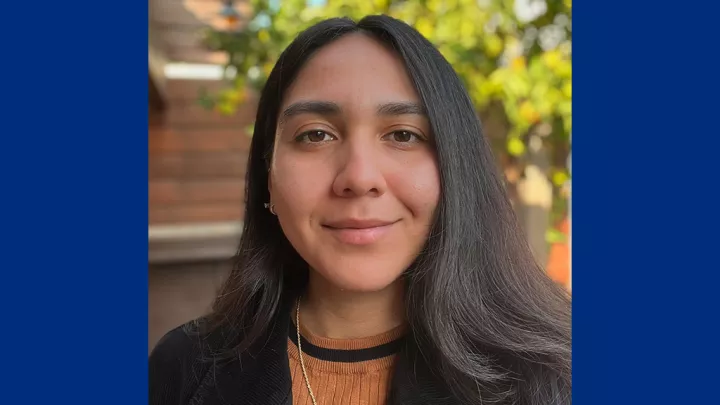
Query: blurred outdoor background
[207, 59]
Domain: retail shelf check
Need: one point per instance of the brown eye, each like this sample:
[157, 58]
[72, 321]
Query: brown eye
[314, 137]
[403, 137]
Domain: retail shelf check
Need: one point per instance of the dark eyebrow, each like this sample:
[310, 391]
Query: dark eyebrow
[310, 107]
[401, 108]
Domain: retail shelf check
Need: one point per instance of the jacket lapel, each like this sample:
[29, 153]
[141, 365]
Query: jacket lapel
[261, 376]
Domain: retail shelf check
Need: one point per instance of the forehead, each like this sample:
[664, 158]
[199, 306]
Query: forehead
[354, 71]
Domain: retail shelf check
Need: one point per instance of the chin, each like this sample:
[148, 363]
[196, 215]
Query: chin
[358, 283]
[358, 278]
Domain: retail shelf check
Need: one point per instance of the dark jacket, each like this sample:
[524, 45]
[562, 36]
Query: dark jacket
[181, 374]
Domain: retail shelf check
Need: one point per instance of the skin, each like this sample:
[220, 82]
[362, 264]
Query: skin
[355, 184]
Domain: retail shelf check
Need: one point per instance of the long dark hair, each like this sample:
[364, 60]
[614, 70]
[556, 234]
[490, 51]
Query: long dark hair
[495, 327]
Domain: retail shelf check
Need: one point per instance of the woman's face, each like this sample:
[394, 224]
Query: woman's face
[354, 178]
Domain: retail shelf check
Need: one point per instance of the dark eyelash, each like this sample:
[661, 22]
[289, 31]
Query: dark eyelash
[303, 135]
[417, 136]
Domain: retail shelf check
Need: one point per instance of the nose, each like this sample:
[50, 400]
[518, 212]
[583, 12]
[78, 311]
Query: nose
[359, 172]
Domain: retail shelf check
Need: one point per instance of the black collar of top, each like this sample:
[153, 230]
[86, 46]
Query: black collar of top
[261, 375]
[345, 355]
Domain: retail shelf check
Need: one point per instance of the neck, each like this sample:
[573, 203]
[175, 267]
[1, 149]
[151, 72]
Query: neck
[330, 312]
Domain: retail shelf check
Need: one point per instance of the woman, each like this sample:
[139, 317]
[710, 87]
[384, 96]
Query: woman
[380, 261]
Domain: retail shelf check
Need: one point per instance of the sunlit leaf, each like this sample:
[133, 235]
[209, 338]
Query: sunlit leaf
[381, 4]
[425, 27]
[225, 108]
[264, 36]
[517, 63]
[493, 45]
[559, 178]
[515, 147]
[552, 59]
[529, 112]
[563, 69]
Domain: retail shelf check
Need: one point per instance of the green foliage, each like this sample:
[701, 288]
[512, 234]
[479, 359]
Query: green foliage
[555, 236]
[522, 64]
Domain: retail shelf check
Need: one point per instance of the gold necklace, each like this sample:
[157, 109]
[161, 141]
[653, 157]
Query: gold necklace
[302, 362]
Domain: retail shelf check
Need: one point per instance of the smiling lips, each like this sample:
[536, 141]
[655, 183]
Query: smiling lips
[358, 232]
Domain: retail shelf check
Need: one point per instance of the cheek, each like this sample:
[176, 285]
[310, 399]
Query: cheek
[418, 188]
[297, 186]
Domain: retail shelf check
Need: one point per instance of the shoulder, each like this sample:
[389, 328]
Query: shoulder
[177, 366]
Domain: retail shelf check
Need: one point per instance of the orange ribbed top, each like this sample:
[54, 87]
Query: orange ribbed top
[343, 371]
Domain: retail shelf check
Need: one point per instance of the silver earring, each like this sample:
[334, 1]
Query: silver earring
[271, 208]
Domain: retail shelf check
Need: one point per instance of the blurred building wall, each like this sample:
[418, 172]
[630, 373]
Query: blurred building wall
[197, 159]
[196, 170]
